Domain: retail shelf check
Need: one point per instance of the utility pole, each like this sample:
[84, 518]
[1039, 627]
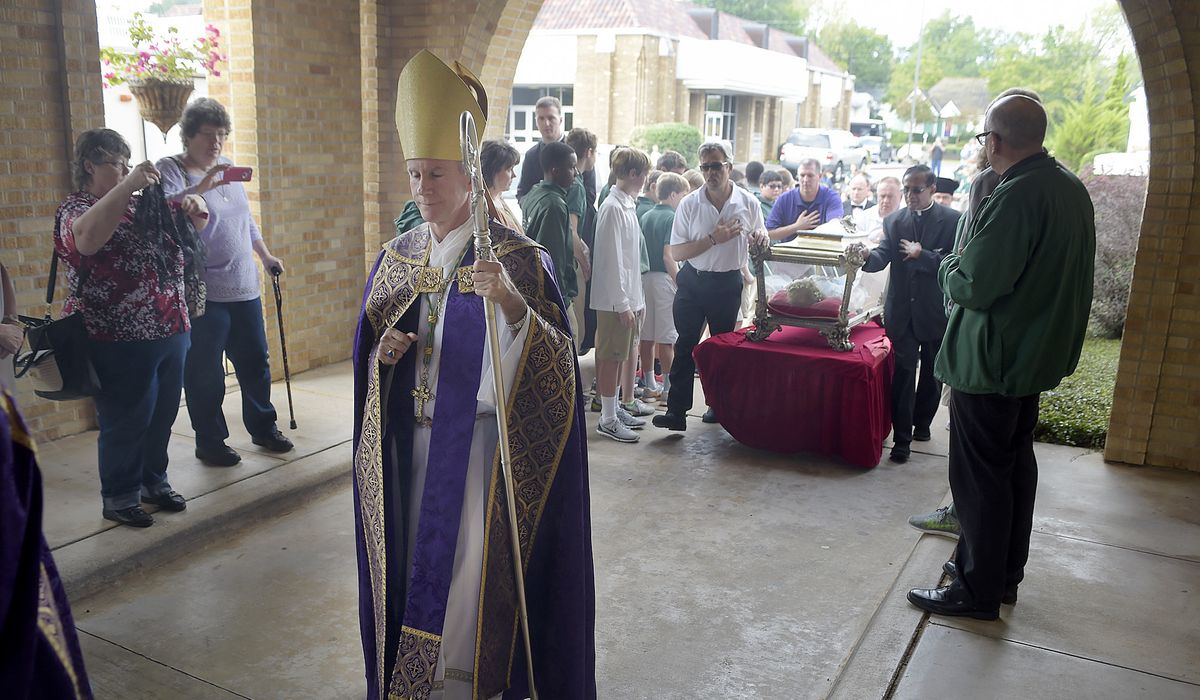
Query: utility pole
[912, 116]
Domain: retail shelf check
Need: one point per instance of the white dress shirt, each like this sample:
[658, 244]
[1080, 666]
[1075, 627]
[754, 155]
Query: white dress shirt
[617, 255]
[697, 217]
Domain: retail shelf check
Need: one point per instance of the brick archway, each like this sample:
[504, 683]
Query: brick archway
[312, 102]
[1156, 407]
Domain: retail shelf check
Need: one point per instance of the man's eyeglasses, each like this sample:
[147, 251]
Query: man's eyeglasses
[982, 137]
[913, 190]
[773, 186]
[713, 166]
[118, 164]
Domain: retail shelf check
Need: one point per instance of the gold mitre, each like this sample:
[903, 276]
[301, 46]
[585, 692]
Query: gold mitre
[430, 96]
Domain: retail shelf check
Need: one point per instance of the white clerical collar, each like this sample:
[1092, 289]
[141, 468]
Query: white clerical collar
[451, 246]
[925, 210]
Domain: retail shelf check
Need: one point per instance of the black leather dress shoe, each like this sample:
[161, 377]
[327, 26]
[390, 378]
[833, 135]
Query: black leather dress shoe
[899, 454]
[710, 416]
[133, 516]
[1010, 594]
[670, 421]
[921, 434]
[220, 455]
[951, 601]
[170, 500]
[273, 441]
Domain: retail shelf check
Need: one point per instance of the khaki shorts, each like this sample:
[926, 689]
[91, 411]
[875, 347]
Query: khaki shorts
[615, 342]
[659, 324]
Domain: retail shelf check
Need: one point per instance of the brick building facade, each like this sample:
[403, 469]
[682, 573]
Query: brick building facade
[312, 103]
[626, 65]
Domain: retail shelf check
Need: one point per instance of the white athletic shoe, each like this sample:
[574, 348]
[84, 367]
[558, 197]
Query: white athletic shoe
[617, 431]
[637, 408]
[629, 421]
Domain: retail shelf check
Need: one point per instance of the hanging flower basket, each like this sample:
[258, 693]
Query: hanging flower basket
[161, 102]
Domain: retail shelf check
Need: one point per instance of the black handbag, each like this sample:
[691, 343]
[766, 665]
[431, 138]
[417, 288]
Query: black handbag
[59, 358]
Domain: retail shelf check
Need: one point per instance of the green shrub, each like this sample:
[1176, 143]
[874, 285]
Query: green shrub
[1076, 412]
[684, 139]
[1119, 201]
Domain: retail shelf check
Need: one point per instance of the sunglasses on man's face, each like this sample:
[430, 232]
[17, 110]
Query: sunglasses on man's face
[713, 166]
[914, 190]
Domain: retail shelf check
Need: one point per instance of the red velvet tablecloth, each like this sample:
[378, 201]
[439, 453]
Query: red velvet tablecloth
[794, 393]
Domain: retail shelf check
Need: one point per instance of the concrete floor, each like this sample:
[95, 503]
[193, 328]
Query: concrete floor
[721, 572]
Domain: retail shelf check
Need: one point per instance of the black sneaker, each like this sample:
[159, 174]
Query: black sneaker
[133, 516]
[273, 441]
[170, 500]
[219, 455]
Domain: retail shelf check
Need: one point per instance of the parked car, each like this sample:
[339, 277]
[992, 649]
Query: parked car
[878, 147]
[839, 152]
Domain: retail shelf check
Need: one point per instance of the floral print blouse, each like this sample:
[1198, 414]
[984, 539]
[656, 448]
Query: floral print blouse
[124, 297]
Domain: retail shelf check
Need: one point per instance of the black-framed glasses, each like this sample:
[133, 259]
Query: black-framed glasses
[914, 190]
[714, 166]
[981, 137]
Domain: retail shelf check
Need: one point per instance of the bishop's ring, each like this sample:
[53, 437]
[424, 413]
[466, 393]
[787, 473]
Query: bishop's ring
[391, 353]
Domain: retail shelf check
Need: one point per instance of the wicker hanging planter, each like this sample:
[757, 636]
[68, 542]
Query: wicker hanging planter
[161, 102]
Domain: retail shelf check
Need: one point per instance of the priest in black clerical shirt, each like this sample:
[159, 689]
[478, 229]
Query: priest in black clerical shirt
[915, 239]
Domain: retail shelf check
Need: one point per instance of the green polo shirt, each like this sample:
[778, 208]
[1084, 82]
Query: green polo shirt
[766, 206]
[547, 222]
[656, 234]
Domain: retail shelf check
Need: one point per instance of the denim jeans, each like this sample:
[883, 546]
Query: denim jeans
[140, 385]
[236, 329]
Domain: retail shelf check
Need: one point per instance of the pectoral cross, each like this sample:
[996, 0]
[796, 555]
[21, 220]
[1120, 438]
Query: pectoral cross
[422, 394]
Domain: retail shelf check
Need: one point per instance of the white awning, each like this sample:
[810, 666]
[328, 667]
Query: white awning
[731, 67]
[547, 59]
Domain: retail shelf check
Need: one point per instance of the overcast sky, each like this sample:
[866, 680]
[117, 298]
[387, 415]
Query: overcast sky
[901, 20]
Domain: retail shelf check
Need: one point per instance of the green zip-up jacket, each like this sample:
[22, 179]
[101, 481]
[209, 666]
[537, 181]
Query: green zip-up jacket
[1021, 286]
[547, 221]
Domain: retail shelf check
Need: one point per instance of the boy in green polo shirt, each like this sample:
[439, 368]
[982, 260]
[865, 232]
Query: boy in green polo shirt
[658, 284]
[547, 220]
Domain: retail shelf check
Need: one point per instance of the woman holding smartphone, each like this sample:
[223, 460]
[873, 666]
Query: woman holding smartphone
[233, 321]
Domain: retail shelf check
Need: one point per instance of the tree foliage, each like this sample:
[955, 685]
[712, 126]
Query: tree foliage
[787, 15]
[865, 52]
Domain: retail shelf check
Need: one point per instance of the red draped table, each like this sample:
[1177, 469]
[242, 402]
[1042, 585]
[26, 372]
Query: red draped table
[793, 393]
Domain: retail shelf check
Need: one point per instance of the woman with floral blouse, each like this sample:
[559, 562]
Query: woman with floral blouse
[128, 285]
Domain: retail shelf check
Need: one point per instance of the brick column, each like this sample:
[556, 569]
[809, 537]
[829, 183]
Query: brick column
[44, 104]
[1156, 406]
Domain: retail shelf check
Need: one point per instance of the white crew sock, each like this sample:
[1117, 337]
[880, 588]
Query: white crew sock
[666, 385]
[649, 381]
[608, 409]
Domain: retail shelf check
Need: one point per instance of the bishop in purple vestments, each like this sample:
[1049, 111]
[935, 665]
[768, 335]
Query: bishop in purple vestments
[438, 608]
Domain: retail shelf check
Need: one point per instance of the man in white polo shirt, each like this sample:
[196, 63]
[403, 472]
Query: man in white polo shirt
[714, 227]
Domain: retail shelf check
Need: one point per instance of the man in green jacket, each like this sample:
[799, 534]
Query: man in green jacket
[546, 217]
[1022, 290]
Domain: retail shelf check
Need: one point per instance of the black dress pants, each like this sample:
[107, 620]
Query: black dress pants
[915, 398]
[714, 297]
[993, 477]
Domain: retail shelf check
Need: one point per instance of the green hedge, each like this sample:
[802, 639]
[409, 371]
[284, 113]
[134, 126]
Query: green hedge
[684, 139]
[1076, 412]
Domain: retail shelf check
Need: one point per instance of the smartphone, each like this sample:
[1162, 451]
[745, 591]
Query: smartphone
[235, 173]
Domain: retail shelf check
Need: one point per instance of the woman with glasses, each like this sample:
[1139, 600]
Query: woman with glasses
[233, 320]
[128, 285]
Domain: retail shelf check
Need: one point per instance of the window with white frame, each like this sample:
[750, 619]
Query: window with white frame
[720, 116]
[522, 121]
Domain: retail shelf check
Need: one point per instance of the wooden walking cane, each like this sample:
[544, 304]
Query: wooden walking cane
[469, 140]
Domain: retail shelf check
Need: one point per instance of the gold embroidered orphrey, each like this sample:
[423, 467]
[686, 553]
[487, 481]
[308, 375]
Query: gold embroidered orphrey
[541, 413]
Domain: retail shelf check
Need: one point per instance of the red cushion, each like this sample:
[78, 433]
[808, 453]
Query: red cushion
[826, 308]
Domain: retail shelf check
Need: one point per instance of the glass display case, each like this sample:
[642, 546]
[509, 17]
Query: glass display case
[815, 281]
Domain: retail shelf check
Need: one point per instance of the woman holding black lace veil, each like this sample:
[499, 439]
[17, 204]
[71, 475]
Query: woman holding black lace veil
[125, 272]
